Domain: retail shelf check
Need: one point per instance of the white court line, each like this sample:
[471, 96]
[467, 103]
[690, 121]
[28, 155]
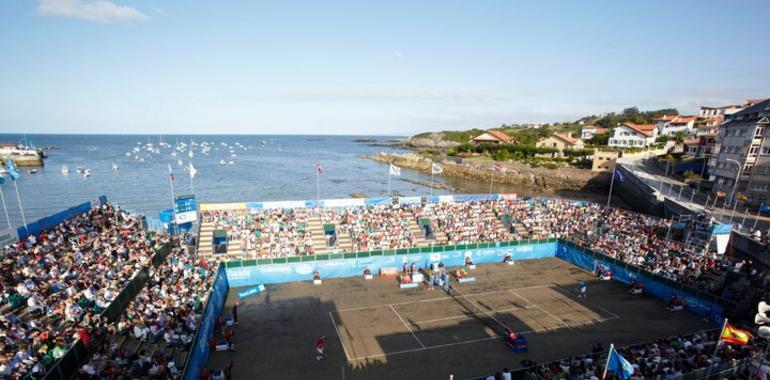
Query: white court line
[448, 297]
[469, 341]
[467, 316]
[407, 326]
[558, 320]
[334, 323]
[588, 302]
[484, 311]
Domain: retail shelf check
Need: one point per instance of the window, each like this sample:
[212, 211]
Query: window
[753, 150]
[759, 132]
[765, 150]
[747, 168]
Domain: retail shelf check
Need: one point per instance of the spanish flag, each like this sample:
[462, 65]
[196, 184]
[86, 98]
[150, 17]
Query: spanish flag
[733, 335]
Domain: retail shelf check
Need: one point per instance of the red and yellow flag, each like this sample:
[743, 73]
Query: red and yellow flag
[735, 336]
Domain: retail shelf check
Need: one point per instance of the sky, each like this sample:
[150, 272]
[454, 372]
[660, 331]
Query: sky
[361, 67]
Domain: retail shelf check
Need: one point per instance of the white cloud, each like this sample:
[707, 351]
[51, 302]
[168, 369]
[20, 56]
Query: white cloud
[103, 11]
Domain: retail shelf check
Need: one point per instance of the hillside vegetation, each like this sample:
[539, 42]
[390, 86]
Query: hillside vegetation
[528, 135]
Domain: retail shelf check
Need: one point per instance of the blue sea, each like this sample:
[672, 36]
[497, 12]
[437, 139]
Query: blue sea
[265, 168]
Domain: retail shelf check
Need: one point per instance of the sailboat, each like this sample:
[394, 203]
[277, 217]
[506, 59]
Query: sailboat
[222, 162]
[179, 162]
[65, 170]
[114, 167]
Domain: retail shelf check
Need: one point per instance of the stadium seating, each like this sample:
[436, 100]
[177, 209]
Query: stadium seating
[678, 357]
[54, 285]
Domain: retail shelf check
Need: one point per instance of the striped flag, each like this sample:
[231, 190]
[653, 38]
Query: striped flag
[318, 168]
[497, 167]
[170, 174]
[734, 335]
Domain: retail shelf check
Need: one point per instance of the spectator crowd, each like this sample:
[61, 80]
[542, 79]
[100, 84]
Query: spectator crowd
[55, 284]
[670, 358]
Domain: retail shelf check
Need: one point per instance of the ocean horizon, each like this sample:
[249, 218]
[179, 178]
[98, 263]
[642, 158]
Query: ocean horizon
[264, 168]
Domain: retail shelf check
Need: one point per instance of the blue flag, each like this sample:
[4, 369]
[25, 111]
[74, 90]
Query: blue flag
[618, 365]
[12, 169]
[619, 176]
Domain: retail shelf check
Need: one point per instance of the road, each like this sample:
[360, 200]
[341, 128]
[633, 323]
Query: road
[674, 189]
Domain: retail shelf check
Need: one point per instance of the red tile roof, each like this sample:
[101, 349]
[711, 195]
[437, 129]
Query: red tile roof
[500, 135]
[596, 129]
[568, 139]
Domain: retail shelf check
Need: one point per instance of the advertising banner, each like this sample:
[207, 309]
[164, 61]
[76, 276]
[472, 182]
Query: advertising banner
[303, 271]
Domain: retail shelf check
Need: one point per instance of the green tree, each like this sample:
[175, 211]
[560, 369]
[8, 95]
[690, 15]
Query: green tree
[600, 139]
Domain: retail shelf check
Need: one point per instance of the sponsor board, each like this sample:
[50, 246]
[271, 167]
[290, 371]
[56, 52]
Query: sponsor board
[294, 272]
[251, 291]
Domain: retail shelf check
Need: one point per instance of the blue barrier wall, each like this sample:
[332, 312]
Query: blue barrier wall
[199, 351]
[292, 272]
[47, 223]
[625, 273]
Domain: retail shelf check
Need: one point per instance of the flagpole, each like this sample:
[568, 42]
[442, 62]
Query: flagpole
[192, 189]
[173, 201]
[317, 186]
[431, 179]
[21, 208]
[5, 209]
[492, 180]
[189, 161]
[716, 348]
[719, 339]
[389, 180]
[607, 364]
[612, 183]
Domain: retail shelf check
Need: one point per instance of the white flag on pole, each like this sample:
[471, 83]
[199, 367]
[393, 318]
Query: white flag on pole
[435, 169]
[192, 171]
[395, 170]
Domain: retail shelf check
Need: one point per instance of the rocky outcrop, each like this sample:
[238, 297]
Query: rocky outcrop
[429, 141]
[519, 175]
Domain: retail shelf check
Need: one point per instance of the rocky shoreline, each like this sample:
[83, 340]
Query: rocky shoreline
[473, 175]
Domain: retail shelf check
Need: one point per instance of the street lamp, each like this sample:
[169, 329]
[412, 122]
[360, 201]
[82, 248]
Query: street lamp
[737, 177]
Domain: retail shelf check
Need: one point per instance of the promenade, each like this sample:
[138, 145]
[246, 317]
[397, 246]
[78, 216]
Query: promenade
[665, 186]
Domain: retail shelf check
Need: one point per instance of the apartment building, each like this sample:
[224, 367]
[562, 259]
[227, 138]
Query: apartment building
[744, 147]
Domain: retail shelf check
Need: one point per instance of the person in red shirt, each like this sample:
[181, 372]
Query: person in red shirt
[84, 336]
[319, 347]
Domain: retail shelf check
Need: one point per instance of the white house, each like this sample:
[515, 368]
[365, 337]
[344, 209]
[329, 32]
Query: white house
[670, 125]
[588, 131]
[630, 135]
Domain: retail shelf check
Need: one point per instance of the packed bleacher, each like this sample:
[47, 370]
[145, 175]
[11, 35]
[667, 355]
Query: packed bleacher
[630, 237]
[671, 358]
[266, 233]
[55, 284]
[152, 337]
